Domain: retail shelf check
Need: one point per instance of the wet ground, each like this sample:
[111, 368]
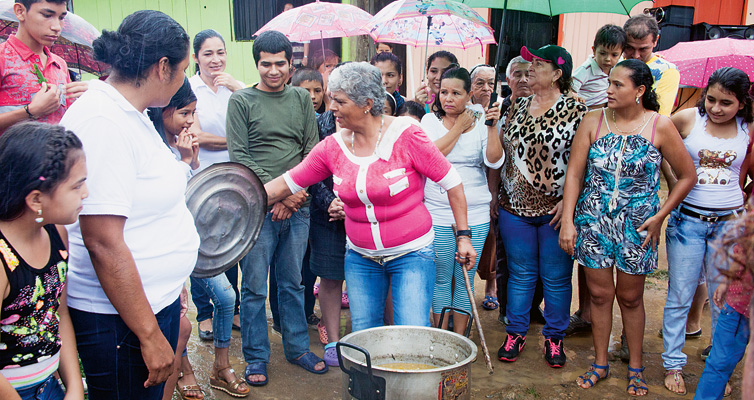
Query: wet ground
[527, 378]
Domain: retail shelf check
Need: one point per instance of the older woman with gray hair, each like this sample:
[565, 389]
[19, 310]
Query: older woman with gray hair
[379, 165]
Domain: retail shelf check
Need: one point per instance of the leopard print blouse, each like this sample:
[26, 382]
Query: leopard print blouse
[537, 152]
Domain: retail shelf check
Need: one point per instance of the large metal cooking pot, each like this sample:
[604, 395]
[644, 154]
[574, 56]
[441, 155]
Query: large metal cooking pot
[362, 353]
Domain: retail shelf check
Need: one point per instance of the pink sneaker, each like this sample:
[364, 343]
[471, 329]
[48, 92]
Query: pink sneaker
[344, 300]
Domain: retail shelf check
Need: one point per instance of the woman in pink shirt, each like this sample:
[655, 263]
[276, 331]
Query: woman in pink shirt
[379, 165]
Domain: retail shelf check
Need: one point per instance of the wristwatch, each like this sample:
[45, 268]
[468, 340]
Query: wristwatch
[465, 232]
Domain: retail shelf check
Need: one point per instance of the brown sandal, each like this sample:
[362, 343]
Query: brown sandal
[182, 390]
[231, 388]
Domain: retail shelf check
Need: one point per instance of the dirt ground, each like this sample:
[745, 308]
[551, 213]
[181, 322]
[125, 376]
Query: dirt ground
[527, 378]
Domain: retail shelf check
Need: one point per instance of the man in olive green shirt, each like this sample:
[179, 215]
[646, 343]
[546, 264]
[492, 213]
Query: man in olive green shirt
[271, 127]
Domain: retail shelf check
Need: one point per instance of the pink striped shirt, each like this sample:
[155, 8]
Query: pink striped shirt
[383, 193]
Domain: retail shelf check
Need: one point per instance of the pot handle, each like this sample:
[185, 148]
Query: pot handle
[362, 386]
[471, 318]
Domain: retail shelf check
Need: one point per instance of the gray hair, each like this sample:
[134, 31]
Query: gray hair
[360, 81]
[479, 68]
[514, 61]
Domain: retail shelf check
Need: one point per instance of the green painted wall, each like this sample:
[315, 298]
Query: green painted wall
[193, 15]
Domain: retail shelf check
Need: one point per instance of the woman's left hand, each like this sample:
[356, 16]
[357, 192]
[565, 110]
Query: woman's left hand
[493, 113]
[465, 255]
[558, 211]
[652, 228]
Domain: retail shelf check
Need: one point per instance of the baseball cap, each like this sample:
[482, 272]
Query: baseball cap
[557, 55]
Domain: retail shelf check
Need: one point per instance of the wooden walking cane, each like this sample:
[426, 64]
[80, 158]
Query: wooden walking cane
[475, 313]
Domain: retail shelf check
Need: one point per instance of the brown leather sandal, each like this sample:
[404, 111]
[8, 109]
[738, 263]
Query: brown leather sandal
[183, 390]
[231, 388]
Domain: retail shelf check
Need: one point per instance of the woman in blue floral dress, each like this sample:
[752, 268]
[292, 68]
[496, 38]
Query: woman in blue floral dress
[614, 172]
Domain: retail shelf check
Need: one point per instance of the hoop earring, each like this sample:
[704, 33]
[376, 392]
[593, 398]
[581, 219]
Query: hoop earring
[39, 218]
[637, 100]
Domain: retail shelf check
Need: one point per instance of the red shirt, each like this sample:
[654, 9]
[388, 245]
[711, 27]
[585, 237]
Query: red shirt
[18, 82]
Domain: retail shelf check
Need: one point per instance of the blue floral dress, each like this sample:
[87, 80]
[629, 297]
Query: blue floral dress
[620, 193]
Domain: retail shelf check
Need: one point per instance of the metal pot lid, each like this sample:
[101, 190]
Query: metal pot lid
[229, 203]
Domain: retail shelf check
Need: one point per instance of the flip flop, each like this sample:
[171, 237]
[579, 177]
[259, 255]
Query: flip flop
[490, 303]
[308, 361]
[259, 368]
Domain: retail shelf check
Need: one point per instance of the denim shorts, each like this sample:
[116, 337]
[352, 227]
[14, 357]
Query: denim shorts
[328, 250]
[49, 389]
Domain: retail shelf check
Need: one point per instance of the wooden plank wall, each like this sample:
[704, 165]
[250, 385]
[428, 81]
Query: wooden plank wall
[193, 15]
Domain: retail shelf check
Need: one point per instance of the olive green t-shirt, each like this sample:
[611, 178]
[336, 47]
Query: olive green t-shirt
[270, 132]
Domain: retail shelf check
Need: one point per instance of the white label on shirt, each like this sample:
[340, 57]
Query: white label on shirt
[399, 186]
[394, 173]
[336, 180]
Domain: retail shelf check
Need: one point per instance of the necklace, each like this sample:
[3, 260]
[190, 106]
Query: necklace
[641, 125]
[379, 137]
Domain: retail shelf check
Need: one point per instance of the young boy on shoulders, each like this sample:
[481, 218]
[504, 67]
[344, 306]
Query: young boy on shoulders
[590, 79]
[34, 83]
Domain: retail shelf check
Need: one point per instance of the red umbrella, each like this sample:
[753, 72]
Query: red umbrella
[696, 61]
[74, 44]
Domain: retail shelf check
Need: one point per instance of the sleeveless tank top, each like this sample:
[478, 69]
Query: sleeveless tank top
[29, 322]
[718, 165]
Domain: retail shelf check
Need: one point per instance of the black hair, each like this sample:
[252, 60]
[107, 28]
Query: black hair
[564, 82]
[639, 26]
[393, 105]
[390, 45]
[610, 36]
[317, 58]
[304, 74]
[142, 40]
[413, 108]
[441, 54]
[33, 156]
[27, 3]
[272, 42]
[202, 37]
[452, 73]
[390, 57]
[731, 80]
[182, 98]
[641, 75]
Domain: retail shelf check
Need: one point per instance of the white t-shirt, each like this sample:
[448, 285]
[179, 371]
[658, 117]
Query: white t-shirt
[131, 173]
[469, 156]
[211, 109]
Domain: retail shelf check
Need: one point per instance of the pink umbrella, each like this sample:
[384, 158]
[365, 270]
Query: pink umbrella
[319, 20]
[417, 22]
[696, 61]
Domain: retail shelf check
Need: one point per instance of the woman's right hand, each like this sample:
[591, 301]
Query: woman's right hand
[567, 237]
[422, 94]
[719, 296]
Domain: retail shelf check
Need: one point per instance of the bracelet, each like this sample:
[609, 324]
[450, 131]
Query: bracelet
[464, 232]
[31, 116]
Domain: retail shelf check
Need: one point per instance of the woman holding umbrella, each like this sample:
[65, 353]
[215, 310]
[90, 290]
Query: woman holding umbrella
[611, 213]
[437, 64]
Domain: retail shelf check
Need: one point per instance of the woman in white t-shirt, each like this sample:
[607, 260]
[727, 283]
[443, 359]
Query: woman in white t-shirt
[461, 135]
[213, 87]
[135, 243]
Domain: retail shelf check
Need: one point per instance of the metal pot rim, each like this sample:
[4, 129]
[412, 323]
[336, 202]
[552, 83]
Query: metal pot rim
[471, 358]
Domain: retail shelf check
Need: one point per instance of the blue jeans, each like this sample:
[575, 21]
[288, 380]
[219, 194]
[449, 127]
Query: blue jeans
[690, 244]
[533, 252]
[221, 292]
[285, 243]
[731, 338]
[201, 299]
[111, 353]
[49, 389]
[412, 278]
